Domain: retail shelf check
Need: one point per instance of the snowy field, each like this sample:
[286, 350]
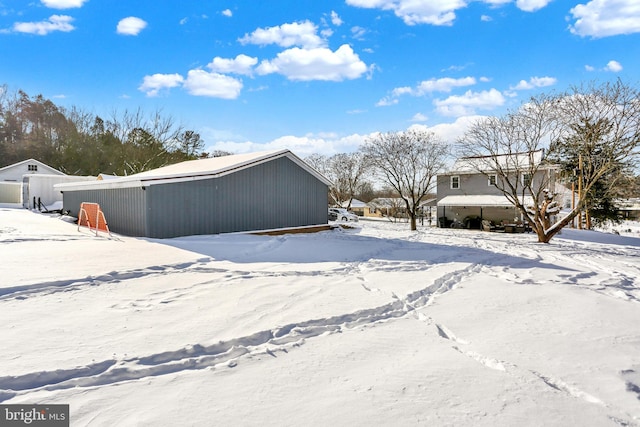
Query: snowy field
[374, 326]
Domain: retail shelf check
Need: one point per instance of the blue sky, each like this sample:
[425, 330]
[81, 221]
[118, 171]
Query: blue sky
[313, 76]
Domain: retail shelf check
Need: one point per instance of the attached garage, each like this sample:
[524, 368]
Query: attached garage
[245, 192]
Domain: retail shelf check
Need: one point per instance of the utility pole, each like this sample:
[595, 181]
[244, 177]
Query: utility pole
[573, 199]
[580, 190]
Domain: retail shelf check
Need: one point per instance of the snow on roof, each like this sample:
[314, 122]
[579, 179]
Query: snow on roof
[355, 203]
[53, 170]
[481, 200]
[505, 161]
[104, 176]
[194, 170]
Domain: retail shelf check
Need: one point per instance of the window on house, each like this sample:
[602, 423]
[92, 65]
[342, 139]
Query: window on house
[455, 182]
[526, 179]
[492, 180]
[32, 168]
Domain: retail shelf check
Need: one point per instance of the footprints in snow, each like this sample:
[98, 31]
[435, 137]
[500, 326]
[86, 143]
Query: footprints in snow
[490, 363]
[562, 386]
[631, 377]
[23, 292]
[445, 333]
[200, 357]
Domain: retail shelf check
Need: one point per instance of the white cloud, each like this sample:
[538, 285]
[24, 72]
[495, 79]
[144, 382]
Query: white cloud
[63, 4]
[534, 82]
[327, 144]
[399, 91]
[335, 19]
[302, 146]
[326, 33]
[131, 26]
[358, 32]
[315, 64]
[486, 18]
[469, 103]
[613, 66]
[227, 12]
[419, 117]
[215, 85]
[386, 102]
[438, 12]
[54, 23]
[303, 34]
[241, 64]
[531, 5]
[412, 12]
[152, 85]
[603, 18]
[445, 84]
[450, 131]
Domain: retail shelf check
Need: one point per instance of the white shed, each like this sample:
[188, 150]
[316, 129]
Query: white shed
[14, 172]
[39, 188]
[11, 189]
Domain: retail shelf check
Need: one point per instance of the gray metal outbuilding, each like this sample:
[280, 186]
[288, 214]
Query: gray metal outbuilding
[245, 192]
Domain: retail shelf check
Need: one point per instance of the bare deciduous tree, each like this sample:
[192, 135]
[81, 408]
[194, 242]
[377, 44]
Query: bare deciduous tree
[409, 162]
[346, 171]
[562, 124]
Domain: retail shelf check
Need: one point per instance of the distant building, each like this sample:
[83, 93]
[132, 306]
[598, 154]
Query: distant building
[629, 208]
[359, 208]
[468, 192]
[12, 176]
[14, 172]
[395, 207]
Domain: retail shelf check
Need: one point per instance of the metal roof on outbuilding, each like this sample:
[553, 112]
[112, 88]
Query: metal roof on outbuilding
[192, 170]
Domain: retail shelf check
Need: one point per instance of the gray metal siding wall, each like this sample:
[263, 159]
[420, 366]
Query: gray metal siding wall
[124, 208]
[275, 194]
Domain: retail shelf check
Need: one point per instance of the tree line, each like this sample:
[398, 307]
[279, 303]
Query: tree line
[80, 143]
[590, 135]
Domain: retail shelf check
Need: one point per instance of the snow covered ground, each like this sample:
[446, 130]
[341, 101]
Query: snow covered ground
[375, 325]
